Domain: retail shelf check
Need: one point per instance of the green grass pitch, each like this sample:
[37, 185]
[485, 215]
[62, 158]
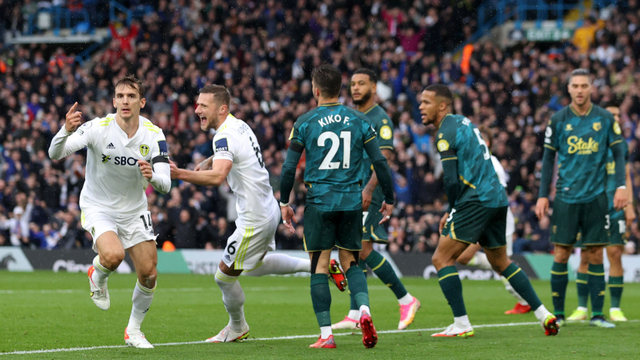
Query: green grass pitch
[45, 310]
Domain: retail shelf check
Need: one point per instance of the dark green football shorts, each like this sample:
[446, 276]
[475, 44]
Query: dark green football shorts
[590, 219]
[617, 230]
[325, 229]
[371, 230]
[473, 223]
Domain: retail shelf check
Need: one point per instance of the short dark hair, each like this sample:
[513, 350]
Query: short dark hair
[328, 79]
[372, 75]
[441, 90]
[579, 72]
[131, 82]
[610, 103]
[220, 93]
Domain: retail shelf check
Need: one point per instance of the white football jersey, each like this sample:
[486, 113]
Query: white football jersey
[114, 183]
[248, 178]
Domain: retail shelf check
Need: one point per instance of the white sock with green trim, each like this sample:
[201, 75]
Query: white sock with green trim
[233, 299]
[101, 273]
[142, 298]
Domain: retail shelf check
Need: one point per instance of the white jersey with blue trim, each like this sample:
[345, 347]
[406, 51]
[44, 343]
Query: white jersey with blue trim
[113, 181]
[248, 178]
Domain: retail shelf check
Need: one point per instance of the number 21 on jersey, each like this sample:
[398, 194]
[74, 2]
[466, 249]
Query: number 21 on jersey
[327, 164]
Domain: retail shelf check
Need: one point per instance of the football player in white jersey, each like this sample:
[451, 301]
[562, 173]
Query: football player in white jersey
[238, 159]
[125, 152]
[472, 257]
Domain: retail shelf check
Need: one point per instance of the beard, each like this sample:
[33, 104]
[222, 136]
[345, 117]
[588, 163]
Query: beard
[364, 99]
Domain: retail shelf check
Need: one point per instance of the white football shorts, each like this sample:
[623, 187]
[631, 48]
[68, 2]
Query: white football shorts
[131, 229]
[247, 245]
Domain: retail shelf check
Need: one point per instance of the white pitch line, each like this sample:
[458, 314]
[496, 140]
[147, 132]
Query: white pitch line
[194, 289]
[293, 337]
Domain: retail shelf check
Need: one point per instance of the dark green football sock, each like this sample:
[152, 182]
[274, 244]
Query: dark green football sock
[358, 286]
[363, 266]
[452, 289]
[616, 284]
[521, 284]
[321, 298]
[354, 305]
[559, 280]
[583, 289]
[384, 271]
[597, 287]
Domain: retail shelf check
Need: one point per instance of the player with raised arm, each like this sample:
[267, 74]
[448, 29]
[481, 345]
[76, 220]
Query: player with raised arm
[125, 152]
[238, 159]
[363, 90]
[477, 211]
[620, 221]
[335, 139]
[582, 135]
[473, 257]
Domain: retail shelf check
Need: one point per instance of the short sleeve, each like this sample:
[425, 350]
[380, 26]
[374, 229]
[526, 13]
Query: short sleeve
[297, 135]
[368, 131]
[550, 138]
[446, 137]
[385, 134]
[224, 146]
[615, 132]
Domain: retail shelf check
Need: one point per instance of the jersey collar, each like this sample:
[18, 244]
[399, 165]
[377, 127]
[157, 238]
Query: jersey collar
[576, 113]
[441, 121]
[330, 104]
[371, 108]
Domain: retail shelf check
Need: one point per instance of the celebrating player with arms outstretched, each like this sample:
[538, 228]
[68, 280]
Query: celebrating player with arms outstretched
[237, 158]
[363, 90]
[124, 152]
[335, 138]
[477, 210]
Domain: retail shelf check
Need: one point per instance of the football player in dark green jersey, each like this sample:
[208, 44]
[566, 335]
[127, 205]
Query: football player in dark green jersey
[363, 91]
[477, 211]
[581, 134]
[619, 222]
[335, 139]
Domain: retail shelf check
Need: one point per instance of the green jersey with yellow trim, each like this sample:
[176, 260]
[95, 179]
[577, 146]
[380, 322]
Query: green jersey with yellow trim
[582, 144]
[478, 180]
[611, 175]
[333, 136]
[384, 128]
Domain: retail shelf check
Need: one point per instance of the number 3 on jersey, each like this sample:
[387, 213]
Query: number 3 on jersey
[327, 164]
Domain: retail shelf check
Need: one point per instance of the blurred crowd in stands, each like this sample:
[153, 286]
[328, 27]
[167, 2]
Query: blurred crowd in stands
[264, 53]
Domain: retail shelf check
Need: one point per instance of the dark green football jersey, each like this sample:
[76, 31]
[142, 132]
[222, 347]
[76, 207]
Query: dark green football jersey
[611, 175]
[384, 128]
[478, 180]
[582, 144]
[333, 137]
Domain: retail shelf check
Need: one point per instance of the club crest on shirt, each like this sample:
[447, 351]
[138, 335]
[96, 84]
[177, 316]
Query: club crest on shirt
[597, 126]
[569, 127]
[144, 150]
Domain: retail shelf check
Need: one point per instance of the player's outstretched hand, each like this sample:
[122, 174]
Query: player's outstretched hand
[73, 119]
[145, 169]
[542, 207]
[174, 170]
[620, 199]
[443, 221]
[386, 211]
[287, 217]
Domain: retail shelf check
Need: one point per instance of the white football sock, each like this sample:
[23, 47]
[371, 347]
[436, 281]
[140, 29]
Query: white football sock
[513, 292]
[480, 261]
[541, 313]
[354, 314]
[364, 308]
[142, 298]
[101, 273]
[233, 299]
[582, 308]
[405, 300]
[614, 309]
[325, 332]
[462, 321]
[280, 264]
